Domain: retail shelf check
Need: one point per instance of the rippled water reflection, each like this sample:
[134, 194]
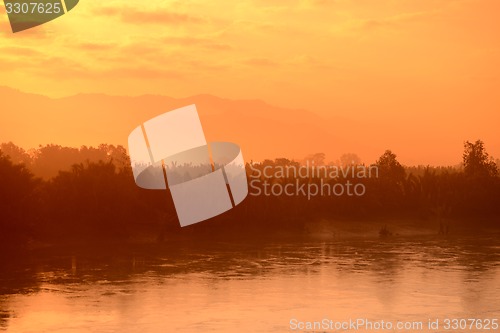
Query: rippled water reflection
[240, 287]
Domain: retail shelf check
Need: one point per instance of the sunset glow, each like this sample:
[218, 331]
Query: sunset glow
[419, 77]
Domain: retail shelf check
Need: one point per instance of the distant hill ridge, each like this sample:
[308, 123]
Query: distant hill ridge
[262, 130]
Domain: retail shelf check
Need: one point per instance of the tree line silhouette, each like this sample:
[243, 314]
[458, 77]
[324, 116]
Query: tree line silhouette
[57, 194]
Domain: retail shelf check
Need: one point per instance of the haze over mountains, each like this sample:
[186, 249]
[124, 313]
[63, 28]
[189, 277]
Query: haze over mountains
[262, 130]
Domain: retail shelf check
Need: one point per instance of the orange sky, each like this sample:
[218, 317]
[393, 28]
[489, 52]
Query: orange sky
[421, 70]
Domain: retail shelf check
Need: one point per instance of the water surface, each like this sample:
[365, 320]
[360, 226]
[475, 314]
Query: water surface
[250, 286]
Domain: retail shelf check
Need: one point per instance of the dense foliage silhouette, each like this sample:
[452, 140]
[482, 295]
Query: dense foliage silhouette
[93, 197]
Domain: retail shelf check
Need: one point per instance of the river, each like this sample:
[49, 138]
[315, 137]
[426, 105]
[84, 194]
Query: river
[248, 286]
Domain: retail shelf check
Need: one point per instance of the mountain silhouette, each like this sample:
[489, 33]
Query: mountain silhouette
[262, 130]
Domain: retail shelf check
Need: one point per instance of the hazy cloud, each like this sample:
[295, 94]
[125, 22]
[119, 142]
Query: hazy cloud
[91, 46]
[262, 62]
[394, 21]
[196, 41]
[17, 51]
[154, 16]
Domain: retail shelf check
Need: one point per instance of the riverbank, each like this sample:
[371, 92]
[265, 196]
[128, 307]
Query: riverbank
[322, 230]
